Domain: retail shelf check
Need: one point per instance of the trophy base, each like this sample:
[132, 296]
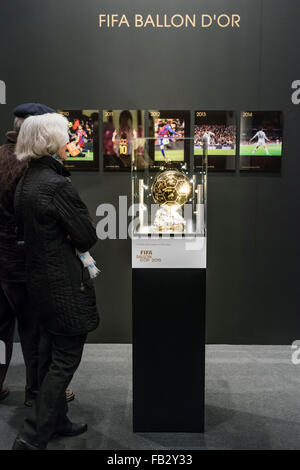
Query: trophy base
[168, 219]
[169, 228]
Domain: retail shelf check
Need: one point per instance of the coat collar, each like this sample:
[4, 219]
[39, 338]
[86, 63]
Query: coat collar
[11, 137]
[50, 162]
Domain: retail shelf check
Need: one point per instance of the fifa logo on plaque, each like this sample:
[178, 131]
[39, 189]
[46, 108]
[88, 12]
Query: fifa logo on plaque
[2, 92]
[2, 353]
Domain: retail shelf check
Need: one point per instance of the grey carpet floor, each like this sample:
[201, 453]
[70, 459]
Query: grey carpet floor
[252, 401]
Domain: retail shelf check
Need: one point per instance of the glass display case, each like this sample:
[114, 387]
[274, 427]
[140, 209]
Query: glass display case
[168, 196]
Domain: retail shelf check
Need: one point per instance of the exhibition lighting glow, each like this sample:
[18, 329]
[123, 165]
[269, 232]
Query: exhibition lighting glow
[184, 189]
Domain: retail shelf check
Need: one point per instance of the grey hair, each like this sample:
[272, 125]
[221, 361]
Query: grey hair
[42, 135]
[18, 123]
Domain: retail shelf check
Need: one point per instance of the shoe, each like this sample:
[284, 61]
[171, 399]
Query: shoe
[70, 395]
[72, 429]
[29, 401]
[4, 392]
[21, 444]
[30, 397]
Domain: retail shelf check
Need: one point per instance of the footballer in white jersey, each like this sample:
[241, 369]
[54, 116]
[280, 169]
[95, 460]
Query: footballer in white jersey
[261, 141]
[206, 138]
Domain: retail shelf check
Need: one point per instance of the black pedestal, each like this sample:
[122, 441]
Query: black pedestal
[168, 350]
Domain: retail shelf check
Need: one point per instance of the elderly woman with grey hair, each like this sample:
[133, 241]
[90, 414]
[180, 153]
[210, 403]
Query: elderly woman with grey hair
[54, 225]
[13, 289]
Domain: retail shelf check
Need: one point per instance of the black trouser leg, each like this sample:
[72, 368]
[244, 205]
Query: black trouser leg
[7, 326]
[45, 355]
[16, 294]
[29, 332]
[45, 359]
[60, 356]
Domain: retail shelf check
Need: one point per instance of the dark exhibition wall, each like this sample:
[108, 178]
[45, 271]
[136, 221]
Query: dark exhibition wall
[55, 52]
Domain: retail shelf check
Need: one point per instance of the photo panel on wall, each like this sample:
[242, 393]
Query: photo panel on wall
[261, 141]
[215, 135]
[83, 146]
[122, 138]
[169, 138]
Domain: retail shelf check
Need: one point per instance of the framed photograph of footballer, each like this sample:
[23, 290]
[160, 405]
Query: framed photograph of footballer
[261, 140]
[169, 144]
[122, 132]
[83, 148]
[215, 135]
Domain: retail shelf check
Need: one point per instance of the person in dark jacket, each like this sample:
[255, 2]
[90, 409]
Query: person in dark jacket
[13, 293]
[55, 225]
[13, 290]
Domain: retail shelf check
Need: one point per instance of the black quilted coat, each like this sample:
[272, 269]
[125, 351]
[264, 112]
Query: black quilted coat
[54, 222]
[12, 260]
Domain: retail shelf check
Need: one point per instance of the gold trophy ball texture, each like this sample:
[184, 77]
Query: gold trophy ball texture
[170, 188]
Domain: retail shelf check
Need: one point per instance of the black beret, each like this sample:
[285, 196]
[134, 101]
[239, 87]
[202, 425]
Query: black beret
[32, 109]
